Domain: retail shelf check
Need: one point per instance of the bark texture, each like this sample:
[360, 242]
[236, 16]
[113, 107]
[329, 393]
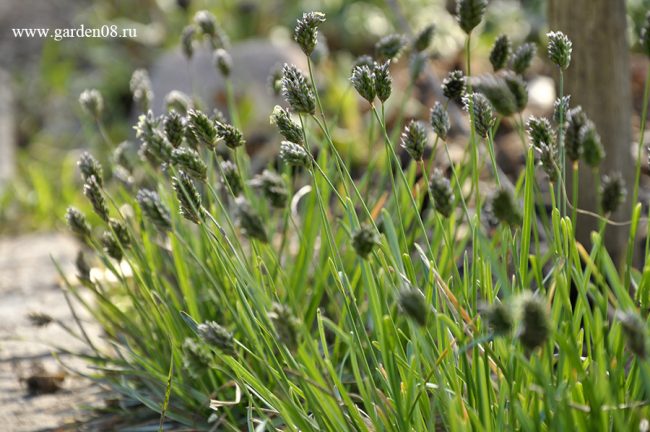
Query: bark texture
[599, 80]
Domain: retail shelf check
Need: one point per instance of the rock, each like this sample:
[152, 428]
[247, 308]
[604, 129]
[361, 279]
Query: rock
[253, 61]
[7, 131]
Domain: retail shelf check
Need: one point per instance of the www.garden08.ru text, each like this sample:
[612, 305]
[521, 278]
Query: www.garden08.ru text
[58, 34]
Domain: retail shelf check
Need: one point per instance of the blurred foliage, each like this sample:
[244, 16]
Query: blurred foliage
[50, 123]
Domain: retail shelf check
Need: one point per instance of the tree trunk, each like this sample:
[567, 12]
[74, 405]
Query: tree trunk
[599, 80]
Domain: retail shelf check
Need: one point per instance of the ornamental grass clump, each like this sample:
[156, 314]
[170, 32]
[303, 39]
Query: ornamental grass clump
[354, 276]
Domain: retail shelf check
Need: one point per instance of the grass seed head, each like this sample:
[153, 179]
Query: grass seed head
[156, 148]
[470, 13]
[89, 166]
[559, 49]
[453, 86]
[154, 210]
[250, 222]
[188, 197]
[504, 209]
[206, 22]
[190, 162]
[535, 326]
[364, 240]
[443, 196]
[111, 246]
[121, 232]
[499, 318]
[296, 91]
[200, 129]
[140, 86]
[290, 130]
[294, 154]
[216, 336]
[92, 191]
[231, 178]
[575, 120]
[414, 139]
[273, 187]
[187, 41]
[424, 38]
[77, 223]
[593, 151]
[178, 101]
[390, 47]
[83, 268]
[540, 131]
[414, 305]
[548, 160]
[306, 32]
[483, 112]
[523, 57]
[285, 324]
[440, 120]
[500, 54]
[383, 81]
[92, 102]
[174, 128]
[196, 357]
[612, 192]
[363, 81]
[223, 61]
[561, 109]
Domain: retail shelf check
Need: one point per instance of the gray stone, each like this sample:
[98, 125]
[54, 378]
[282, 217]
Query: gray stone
[252, 63]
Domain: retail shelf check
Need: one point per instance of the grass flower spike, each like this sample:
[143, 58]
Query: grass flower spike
[306, 31]
[290, 130]
[154, 209]
[414, 139]
[443, 196]
[482, 111]
[500, 54]
[414, 305]
[294, 154]
[364, 240]
[440, 120]
[188, 197]
[89, 166]
[383, 81]
[559, 49]
[470, 13]
[77, 223]
[612, 193]
[231, 178]
[522, 58]
[296, 91]
[423, 38]
[92, 102]
[390, 47]
[363, 81]
[535, 326]
[92, 191]
[453, 86]
[273, 187]
[250, 222]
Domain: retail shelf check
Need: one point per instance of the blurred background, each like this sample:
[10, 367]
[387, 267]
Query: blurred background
[43, 129]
